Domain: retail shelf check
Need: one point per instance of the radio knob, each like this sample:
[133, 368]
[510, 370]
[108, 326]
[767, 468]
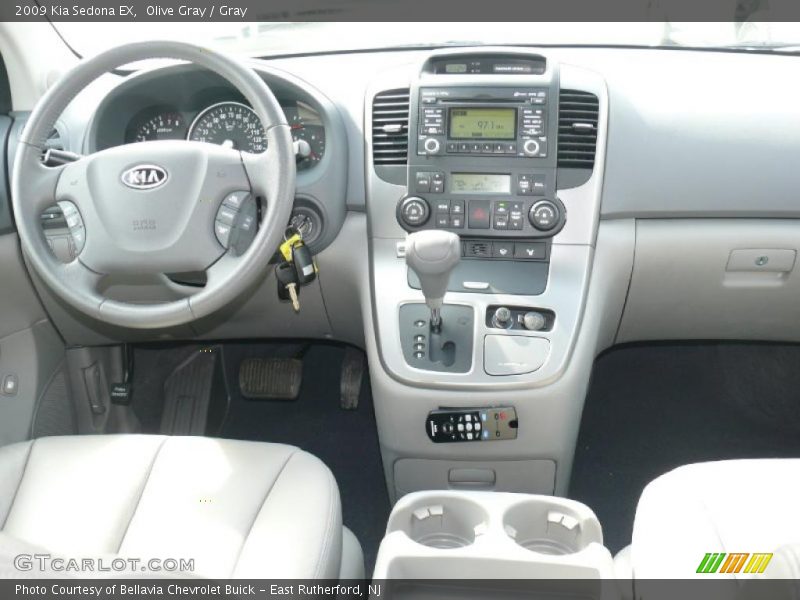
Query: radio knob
[432, 146]
[530, 147]
[414, 211]
[544, 215]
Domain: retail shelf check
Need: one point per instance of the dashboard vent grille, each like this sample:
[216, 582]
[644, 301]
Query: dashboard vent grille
[578, 114]
[390, 127]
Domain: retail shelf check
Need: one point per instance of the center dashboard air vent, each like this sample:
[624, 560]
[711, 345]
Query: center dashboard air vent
[578, 115]
[390, 127]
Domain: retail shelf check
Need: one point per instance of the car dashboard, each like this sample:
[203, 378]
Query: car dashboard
[601, 196]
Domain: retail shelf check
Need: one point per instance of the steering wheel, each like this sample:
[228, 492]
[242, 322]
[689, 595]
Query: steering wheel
[152, 207]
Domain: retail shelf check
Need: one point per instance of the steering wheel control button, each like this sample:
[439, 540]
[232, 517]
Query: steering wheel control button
[74, 223]
[226, 215]
[235, 200]
[544, 215]
[246, 222]
[414, 211]
[223, 233]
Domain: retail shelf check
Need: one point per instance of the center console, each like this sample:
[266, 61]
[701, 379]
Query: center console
[474, 535]
[504, 149]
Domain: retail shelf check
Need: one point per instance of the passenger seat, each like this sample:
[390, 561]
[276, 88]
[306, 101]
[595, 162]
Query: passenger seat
[734, 507]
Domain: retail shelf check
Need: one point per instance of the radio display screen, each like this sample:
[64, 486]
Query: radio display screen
[483, 123]
[480, 183]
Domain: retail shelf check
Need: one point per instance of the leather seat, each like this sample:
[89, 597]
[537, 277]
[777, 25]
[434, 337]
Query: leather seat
[736, 506]
[239, 509]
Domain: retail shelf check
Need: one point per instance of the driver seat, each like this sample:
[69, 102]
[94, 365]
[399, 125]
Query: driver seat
[239, 509]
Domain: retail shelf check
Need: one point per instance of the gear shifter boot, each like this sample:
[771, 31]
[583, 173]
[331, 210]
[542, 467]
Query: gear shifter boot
[448, 349]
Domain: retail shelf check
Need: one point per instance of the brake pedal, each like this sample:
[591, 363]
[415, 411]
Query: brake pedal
[353, 365]
[271, 378]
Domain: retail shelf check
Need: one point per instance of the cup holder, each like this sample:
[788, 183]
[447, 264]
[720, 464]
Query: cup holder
[550, 528]
[444, 523]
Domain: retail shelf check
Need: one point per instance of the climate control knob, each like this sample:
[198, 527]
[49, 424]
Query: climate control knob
[530, 147]
[544, 215]
[414, 211]
[431, 146]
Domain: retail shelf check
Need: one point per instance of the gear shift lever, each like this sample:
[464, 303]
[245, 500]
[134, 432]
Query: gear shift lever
[432, 255]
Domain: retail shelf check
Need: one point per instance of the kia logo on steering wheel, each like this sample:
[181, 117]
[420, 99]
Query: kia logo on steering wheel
[145, 177]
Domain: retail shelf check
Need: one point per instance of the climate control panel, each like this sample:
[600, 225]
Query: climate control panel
[516, 217]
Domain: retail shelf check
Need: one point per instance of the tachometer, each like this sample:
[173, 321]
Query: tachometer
[163, 126]
[230, 124]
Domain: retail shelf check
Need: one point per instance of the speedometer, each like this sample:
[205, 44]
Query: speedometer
[230, 124]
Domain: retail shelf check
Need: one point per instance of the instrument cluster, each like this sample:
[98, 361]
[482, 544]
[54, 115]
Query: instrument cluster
[232, 124]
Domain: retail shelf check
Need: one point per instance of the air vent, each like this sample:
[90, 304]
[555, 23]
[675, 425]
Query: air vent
[577, 129]
[390, 127]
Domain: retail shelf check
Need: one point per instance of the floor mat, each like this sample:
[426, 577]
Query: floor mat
[346, 441]
[652, 408]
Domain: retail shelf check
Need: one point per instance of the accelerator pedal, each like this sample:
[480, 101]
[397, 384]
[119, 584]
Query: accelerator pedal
[271, 378]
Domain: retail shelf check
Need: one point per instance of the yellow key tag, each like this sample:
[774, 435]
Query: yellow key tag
[286, 247]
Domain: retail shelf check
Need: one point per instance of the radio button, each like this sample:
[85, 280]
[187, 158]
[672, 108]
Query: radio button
[510, 148]
[452, 147]
[432, 146]
[499, 149]
[530, 147]
[475, 148]
[479, 214]
[487, 148]
[463, 147]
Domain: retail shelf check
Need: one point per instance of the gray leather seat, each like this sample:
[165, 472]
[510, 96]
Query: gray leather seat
[239, 509]
[733, 506]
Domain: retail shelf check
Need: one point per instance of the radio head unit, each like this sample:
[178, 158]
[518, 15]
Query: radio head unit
[480, 121]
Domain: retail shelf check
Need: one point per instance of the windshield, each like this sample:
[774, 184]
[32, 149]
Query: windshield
[277, 38]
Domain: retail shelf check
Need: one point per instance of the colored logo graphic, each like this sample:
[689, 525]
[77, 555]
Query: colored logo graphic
[741, 562]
